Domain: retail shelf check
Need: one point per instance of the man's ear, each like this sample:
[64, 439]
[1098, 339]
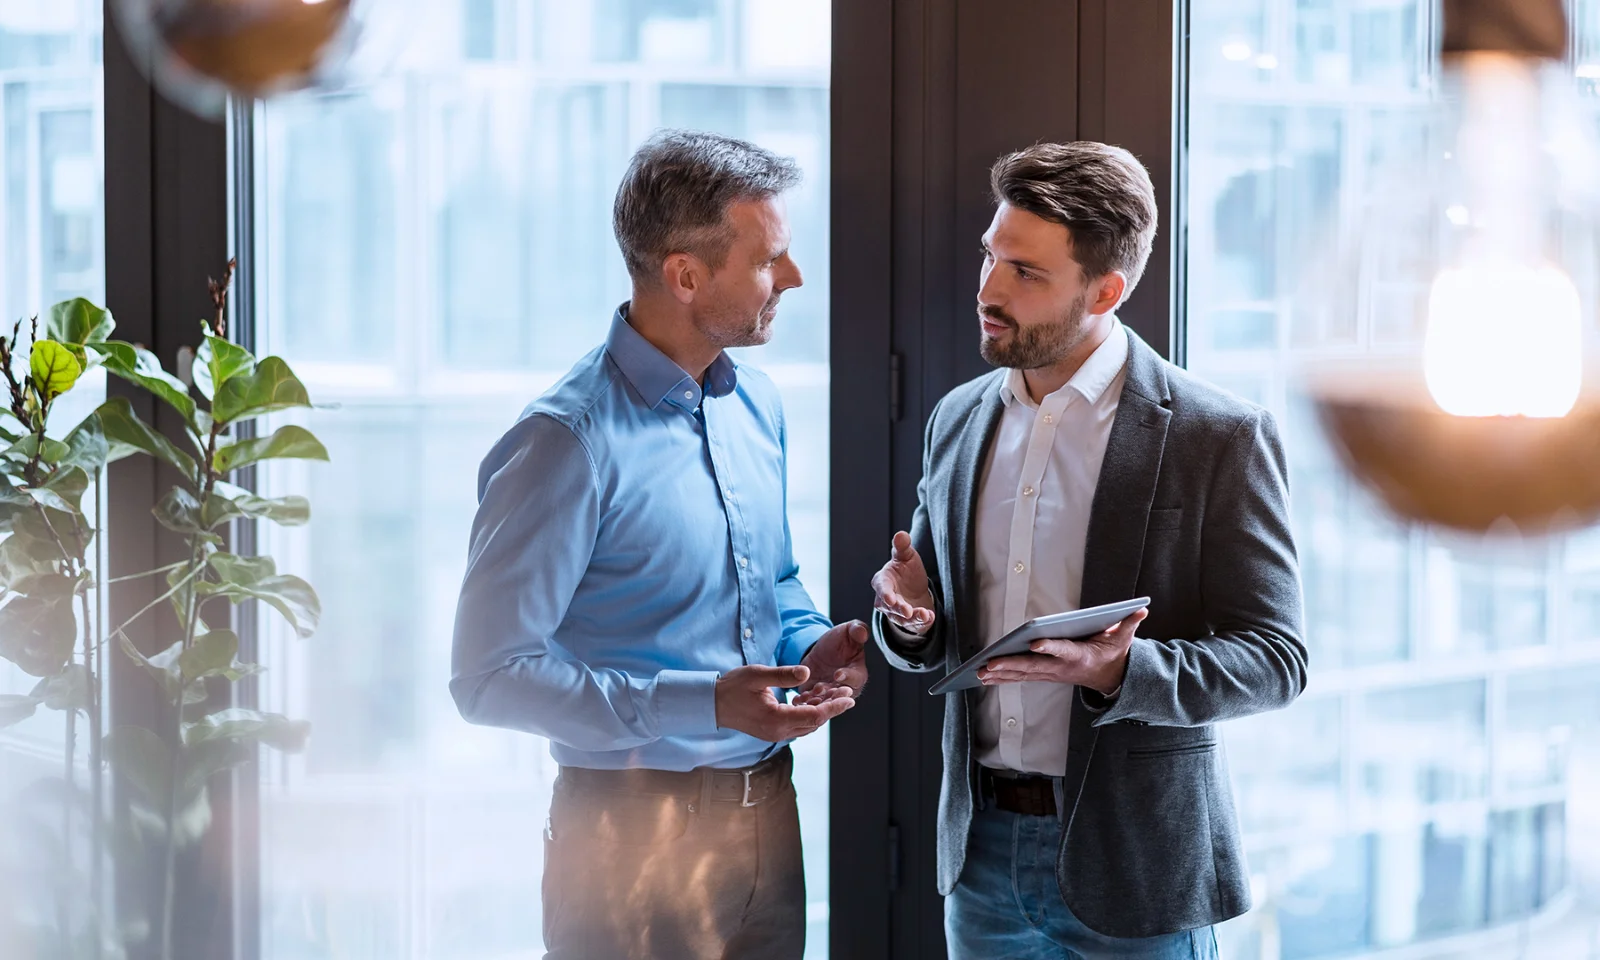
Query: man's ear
[684, 276]
[1109, 292]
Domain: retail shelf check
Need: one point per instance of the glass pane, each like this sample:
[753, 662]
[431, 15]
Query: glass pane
[435, 252]
[1435, 784]
[52, 214]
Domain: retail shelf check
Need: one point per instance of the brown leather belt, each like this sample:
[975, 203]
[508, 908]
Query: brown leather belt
[1031, 796]
[745, 786]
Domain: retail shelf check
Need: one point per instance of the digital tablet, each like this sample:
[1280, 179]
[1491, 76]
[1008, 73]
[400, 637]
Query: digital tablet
[1058, 626]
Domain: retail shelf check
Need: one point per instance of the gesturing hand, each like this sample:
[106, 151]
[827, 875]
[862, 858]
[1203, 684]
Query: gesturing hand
[902, 588]
[838, 665]
[1098, 662]
[745, 702]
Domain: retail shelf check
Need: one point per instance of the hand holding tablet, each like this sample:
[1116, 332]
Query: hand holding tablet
[1061, 626]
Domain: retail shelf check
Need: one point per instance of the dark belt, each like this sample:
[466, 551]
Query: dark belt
[1032, 796]
[745, 786]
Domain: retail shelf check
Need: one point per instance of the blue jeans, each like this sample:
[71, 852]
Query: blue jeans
[1008, 906]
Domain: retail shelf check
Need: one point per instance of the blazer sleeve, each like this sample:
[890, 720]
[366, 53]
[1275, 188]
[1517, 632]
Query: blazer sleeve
[1254, 658]
[904, 650]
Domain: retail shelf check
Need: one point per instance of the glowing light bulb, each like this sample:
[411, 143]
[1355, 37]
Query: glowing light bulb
[1504, 339]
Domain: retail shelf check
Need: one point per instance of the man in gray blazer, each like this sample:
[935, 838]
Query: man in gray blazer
[1086, 810]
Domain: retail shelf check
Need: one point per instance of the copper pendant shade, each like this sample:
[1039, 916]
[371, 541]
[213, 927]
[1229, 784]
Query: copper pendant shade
[201, 52]
[1482, 248]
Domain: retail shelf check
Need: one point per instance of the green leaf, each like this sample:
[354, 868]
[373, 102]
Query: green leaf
[272, 729]
[87, 447]
[228, 502]
[47, 585]
[79, 322]
[125, 431]
[53, 451]
[205, 760]
[68, 485]
[37, 634]
[67, 690]
[213, 655]
[143, 759]
[256, 578]
[54, 369]
[21, 556]
[270, 387]
[288, 443]
[179, 511]
[217, 362]
[163, 667]
[140, 366]
[15, 708]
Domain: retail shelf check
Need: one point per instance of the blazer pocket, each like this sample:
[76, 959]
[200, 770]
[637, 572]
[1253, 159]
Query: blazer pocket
[1165, 519]
[1177, 750]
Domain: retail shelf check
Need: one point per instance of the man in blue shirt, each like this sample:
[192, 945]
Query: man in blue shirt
[632, 595]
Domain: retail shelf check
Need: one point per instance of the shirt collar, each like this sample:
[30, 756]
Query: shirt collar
[1091, 381]
[657, 378]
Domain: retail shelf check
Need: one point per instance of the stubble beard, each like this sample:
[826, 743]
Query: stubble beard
[1036, 346]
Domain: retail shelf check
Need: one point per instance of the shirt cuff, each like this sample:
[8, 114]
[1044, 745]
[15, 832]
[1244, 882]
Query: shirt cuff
[686, 702]
[909, 637]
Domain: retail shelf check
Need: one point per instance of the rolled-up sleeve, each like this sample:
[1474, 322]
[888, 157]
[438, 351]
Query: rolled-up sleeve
[532, 538]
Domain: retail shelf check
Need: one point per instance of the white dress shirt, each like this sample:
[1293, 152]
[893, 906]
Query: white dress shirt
[1032, 523]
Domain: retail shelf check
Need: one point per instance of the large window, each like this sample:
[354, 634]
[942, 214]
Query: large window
[434, 252]
[51, 249]
[1438, 786]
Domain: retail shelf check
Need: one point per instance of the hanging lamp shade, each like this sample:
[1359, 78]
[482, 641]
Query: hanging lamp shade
[201, 52]
[1477, 255]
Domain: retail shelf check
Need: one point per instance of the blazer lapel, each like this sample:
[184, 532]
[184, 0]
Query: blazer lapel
[1114, 550]
[971, 452]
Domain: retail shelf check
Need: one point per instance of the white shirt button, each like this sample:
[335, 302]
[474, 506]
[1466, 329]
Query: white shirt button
[744, 561]
[688, 394]
[1027, 491]
[1011, 721]
[1049, 419]
[1019, 567]
[748, 633]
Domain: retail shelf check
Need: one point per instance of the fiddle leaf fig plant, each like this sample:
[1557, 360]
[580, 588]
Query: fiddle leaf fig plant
[46, 578]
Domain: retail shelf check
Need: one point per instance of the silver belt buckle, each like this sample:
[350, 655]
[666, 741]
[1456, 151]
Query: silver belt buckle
[745, 800]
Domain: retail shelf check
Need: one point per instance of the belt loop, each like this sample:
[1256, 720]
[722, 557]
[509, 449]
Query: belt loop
[703, 805]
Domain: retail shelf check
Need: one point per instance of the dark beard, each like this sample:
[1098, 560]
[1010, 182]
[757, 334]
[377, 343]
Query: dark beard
[1041, 345]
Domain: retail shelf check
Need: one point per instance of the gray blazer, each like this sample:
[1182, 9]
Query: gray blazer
[1191, 510]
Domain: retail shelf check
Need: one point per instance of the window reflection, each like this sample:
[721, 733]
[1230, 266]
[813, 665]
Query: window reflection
[435, 251]
[1436, 783]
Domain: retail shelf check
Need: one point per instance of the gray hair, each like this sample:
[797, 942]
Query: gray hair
[677, 191]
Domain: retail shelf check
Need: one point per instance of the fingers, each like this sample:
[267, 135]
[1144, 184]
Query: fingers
[791, 721]
[903, 551]
[1024, 666]
[757, 677]
[1131, 622]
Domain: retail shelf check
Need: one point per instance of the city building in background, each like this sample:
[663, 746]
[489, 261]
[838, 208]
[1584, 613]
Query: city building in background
[1436, 792]
[434, 252]
[52, 248]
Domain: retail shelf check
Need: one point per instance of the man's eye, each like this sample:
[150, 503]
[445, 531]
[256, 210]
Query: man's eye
[1023, 274]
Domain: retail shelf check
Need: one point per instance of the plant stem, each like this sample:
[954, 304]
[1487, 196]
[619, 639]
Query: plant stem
[96, 865]
[191, 621]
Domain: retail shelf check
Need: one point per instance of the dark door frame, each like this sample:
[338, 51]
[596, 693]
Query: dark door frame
[925, 95]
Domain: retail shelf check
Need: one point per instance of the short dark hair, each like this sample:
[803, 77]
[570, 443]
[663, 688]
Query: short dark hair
[677, 191]
[1100, 193]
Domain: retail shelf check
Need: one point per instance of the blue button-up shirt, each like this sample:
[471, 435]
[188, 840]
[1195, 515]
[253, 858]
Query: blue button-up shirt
[631, 545]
